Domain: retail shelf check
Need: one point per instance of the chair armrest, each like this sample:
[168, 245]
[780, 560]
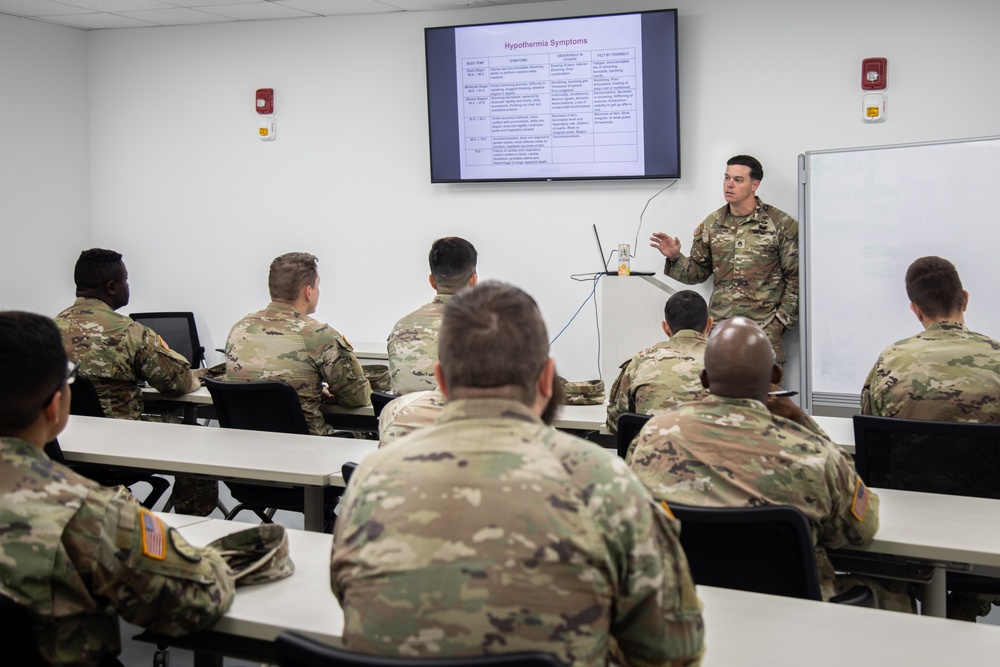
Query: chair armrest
[857, 596]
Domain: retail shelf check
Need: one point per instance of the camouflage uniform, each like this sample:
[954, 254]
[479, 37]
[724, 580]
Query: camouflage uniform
[945, 373]
[408, 413]
[413, 348]
[493, 533]
[730, 452]
[755, 261]
[116, 353]
[279, 343]
[659, 377]
[77, 555]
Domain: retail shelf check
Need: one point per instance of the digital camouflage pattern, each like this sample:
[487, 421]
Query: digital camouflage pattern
[755, 262]
[945, 373]
[493, 533]
[406, 414]
[732, 452]
[75, 554]
[116, 353]
[279, 343]
[413, 347]
[659, 377]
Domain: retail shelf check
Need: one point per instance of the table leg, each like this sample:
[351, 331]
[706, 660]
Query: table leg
[934, 600]
[313, 508]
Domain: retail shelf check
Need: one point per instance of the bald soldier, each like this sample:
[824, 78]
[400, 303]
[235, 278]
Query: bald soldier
[669, 372]
[412, 344]
[284, 342]
[944, 373]
[491, 532]
[750, 248]
[74, 554]
[738, 447]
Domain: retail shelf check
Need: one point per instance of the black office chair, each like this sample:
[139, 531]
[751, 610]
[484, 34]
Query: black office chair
[178, 330]
[84, 402]
[17, 636]
[629, 425]
[950, 458]
[759, 549]
[295, 650]
[380, 399]
[269, 405]
[347, 470]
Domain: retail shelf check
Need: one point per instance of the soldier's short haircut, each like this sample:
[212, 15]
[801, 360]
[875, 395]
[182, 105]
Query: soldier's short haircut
[34, 366]
[452, 261]
[493, 336]
[96, 267]
[756, 169]
[290, 273]
[686, 310]
[933, 285]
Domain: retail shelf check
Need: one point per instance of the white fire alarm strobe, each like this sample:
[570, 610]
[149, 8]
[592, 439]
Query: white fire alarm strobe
[267, 128]
[873, 108]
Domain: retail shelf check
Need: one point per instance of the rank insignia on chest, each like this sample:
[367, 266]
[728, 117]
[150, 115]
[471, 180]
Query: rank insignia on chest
[740, 243]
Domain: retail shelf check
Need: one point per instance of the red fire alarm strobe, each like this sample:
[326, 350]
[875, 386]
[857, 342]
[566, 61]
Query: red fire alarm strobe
[873, 73]
[265, 100]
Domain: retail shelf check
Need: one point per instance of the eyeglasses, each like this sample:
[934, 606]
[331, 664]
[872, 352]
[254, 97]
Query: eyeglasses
[71, 369]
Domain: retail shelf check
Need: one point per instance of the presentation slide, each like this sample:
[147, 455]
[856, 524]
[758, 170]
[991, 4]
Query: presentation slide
[536, 97]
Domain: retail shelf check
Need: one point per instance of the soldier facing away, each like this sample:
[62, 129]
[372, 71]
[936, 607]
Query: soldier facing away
[752, 250]
[491, 532]
[412, 344]
[74, 554]
[669, 372]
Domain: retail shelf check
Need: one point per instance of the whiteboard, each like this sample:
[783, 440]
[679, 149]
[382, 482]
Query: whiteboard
[867, 214]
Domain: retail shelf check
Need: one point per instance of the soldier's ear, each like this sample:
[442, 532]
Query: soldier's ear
[965, 300]
[439, 376]
[708, 325]
[666, 329]
[704, 378]
[430, 279]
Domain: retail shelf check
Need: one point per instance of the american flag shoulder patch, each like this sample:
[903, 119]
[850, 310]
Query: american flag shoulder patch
[153, 544]
[861, 497]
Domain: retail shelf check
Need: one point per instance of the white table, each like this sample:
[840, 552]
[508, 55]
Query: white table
[307, 461]
[946, 532]
[840, 430]
[747, 629]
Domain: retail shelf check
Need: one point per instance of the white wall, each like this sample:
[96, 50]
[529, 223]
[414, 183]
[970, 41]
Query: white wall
[44, 163]
[181, 184]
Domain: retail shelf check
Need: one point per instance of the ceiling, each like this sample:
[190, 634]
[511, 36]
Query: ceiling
[100, 14]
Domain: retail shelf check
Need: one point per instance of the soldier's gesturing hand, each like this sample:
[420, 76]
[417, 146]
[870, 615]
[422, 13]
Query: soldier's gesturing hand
[669, 246]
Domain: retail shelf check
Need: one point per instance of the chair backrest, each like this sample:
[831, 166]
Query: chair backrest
[17, 636]
[270, 405]
[629, 425]
[953, 458]
[760, 549]
[83, 398]
[295, 650]
[347, 470]
[178, 330]
[380, 399]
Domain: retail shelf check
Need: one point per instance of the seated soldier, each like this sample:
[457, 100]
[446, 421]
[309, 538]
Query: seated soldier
[282, 342]
[491, 532]
[412, 345]
[738, 447]
[117, 353]
[944, 373]
[75, 554]
[667, 373]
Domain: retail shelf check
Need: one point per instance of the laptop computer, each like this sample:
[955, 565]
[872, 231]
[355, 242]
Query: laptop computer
[604, 260]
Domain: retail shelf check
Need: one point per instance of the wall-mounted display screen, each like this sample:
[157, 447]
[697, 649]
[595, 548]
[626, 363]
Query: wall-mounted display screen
[590, 97]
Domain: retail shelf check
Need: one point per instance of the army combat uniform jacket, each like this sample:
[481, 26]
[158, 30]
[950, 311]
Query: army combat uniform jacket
[406, 414]
[945, 373]
[76, 555]
[493, 533]
[279, 343]
[755, 262]
[116, 352]
[659, 377]
[413, 348]
[731, 452]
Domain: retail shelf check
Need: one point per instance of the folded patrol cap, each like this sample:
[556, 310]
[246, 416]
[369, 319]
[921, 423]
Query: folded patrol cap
[256, 555]
[582, 392]
[378, 377]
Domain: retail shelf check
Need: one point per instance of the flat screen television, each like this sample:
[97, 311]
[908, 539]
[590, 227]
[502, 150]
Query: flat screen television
[587, 97]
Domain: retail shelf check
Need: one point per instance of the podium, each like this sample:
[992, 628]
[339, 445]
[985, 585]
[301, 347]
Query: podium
[631, 316]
